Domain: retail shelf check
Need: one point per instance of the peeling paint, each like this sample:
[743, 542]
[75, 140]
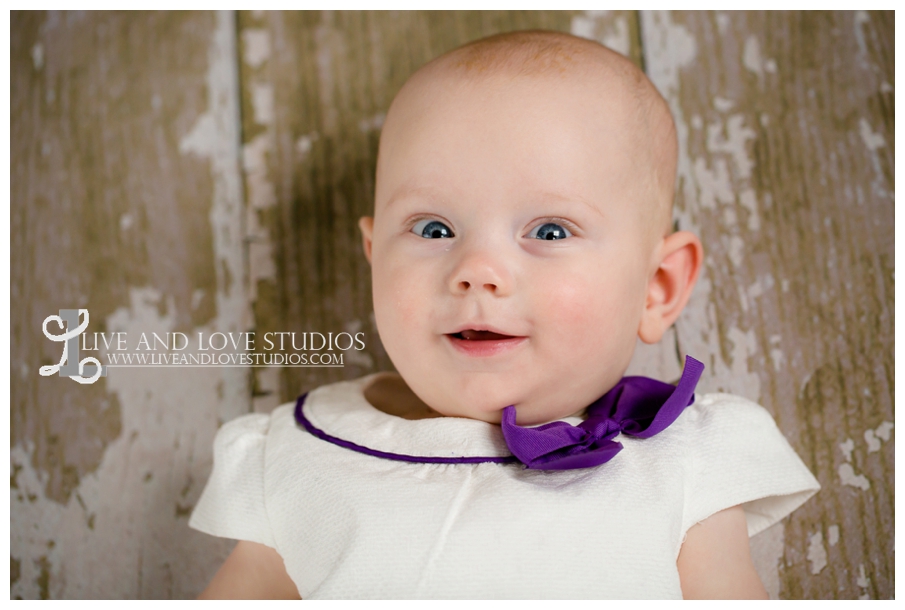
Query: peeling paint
[759, 287]
[873, 443]
[37, 56]
[748, 199]
[722, 104]
[374, 123]
[832, 535]
[873, 438]
[257, 156]
[862, 580]
[233, 313]
[778, 359]
[722, 22]
[744, 346]
[848, 477]
[262, 103]
[668, 47]
[197, 297]
[199, 139]
[713, 185]
[256, 43]
[583, 26]
[32, 525]
[122, 507]
[261, 196]
[816, 553]
[740, 141]
[327, 40]
[304, 143]
[155, 418]
[601, 26]
[883, 430]
[734, 143]
[871, 139]
[751, 55]
[847, 447]
[736, 248]
[861, 17]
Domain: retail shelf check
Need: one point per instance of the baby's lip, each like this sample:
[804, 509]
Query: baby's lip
[480, 335]
[481, 332]
[484, 342]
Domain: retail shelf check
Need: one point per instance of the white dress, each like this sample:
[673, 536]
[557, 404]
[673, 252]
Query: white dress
[351, 525]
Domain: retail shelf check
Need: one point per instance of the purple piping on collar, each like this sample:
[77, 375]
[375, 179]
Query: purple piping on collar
[636, 406]
[304, 422]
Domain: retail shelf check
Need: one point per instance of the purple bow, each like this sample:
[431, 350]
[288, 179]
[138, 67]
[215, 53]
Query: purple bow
[637, 406]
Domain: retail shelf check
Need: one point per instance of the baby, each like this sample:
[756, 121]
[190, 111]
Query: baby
[521, 242]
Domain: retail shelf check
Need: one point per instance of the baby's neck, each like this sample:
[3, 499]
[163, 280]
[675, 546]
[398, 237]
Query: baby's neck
[390, 394]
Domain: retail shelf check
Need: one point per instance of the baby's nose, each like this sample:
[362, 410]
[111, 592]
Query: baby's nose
[481, 272]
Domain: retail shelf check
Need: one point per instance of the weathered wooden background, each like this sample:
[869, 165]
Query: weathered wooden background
[204, 171]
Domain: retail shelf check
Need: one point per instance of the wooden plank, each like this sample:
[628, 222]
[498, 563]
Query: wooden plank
[786, 125]
[315, 89]
[126, 200]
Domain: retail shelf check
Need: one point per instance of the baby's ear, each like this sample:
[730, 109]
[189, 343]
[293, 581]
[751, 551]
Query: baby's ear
[681, 255]
[366, 224]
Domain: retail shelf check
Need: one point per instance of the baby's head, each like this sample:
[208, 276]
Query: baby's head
[521, 239]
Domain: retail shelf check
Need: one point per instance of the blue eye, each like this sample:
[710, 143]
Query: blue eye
[549, 231]
[432, 229]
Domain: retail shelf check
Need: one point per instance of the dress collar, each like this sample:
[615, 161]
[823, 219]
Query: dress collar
[638, 406]
[340, 413]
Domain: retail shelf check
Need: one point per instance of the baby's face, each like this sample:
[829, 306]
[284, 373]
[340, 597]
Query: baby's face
[510, 251]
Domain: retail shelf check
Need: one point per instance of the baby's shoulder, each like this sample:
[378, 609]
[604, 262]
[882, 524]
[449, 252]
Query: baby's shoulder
[737, 455]
[233, 504]
[719, 410]
[249, 432]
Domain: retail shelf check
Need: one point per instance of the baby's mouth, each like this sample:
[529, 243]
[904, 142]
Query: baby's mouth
[480, 335]
[483, 343]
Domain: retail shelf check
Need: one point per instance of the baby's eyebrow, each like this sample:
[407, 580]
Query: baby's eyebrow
[423, 191]
[435, 195]
[569, 198]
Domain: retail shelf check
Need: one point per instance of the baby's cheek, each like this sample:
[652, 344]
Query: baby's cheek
[400, 301]
[573, 302]
[587, 314]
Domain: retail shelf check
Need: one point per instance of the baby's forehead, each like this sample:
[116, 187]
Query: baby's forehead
[535, 53]
[547, 60]
[563, 74]
[567, 80]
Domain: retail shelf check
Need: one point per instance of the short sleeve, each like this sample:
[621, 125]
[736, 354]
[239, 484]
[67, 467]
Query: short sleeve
[739, 457]
[232, 503]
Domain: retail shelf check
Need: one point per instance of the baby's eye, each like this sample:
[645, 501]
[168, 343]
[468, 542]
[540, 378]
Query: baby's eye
[432, 229]
[549, 231]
